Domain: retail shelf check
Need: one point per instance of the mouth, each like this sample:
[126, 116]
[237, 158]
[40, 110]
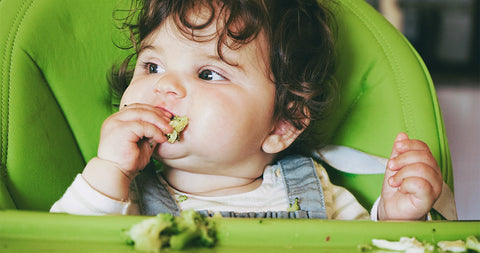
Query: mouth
[171, 115]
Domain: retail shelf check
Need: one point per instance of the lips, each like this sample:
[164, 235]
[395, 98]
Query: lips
[171, 114]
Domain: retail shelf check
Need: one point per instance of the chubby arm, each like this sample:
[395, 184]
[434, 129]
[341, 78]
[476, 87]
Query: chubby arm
[127, 141]
[413, 181]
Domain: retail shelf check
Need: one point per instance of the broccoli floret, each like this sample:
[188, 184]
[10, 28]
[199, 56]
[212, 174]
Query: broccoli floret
[146, 235]
[194, 230]
[190, 229]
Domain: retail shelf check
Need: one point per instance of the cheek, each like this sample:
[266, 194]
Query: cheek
[135, 93]
[236, 119]
[127, 95]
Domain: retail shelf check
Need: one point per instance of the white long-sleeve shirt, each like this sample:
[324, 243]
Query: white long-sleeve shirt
[81, 198]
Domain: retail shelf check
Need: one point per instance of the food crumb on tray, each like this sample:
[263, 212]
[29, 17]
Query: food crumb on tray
[411, 245]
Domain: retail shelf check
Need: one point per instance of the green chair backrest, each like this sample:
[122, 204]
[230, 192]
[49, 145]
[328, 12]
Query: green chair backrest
[55, 56]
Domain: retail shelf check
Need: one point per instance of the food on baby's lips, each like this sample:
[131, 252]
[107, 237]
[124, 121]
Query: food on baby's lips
[178, 124]
[191, 229]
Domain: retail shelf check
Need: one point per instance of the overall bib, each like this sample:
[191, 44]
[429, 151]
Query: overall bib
[299, 176]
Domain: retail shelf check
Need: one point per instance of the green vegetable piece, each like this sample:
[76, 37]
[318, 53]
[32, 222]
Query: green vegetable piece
[145, 235]
[294, 207]
[178, 124]
[182, 198]
[190, 229]
[195, 230]
[365, 247]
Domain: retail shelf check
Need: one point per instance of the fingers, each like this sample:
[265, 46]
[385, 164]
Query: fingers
[144, 131]
[413, 180]
[421, 191]
[130, 136]
[412, 159]
[401, 137]
[408, 151]
[147, 113]
[404, 144]
[418, 171]
[142, 120]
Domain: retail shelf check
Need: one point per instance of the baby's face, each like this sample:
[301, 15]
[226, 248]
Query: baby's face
[229, 106]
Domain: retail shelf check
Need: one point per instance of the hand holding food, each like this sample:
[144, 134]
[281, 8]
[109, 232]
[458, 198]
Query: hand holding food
[129, 137]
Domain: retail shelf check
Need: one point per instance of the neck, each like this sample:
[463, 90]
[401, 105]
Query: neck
[209, 185]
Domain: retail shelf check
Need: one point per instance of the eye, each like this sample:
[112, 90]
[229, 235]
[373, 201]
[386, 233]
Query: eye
[153, 68]
[210, 75]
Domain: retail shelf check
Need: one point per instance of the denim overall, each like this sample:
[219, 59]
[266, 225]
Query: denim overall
[299, 176]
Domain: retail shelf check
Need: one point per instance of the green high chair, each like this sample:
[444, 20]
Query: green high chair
[54, 59]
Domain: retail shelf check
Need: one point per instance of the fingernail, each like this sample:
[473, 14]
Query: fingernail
[391, 164]
[391, 181]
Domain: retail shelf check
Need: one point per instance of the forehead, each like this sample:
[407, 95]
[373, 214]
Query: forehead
[204, 21]
[206, 42]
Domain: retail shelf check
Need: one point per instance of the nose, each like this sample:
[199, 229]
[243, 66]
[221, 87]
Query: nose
[171, 85]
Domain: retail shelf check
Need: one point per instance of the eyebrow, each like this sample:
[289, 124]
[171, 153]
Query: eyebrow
[232, 65]
[148, 47]
[215, 58]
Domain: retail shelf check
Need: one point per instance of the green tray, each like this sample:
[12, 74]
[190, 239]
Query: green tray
[25, 231]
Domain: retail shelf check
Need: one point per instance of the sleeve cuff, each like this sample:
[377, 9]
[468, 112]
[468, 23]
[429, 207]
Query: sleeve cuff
[81, 198]
[374, 210]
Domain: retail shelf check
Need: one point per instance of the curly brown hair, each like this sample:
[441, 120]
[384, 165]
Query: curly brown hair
[300, 36]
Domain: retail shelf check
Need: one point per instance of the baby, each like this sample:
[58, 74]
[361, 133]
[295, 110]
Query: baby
[254, 79]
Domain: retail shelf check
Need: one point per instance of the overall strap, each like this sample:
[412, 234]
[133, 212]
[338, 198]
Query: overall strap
[300, 214]
[303, 186]
[153, 197]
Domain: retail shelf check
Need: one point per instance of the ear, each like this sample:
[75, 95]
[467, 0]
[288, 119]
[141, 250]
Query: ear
[281, 137]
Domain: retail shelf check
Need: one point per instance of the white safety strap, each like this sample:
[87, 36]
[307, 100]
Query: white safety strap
[353, 161]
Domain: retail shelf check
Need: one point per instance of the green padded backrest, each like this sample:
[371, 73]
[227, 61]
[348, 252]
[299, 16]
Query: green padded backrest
[55, 56]
[386, 89]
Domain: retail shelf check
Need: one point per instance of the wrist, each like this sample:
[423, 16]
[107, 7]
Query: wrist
[107, 178]
[383, 214]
